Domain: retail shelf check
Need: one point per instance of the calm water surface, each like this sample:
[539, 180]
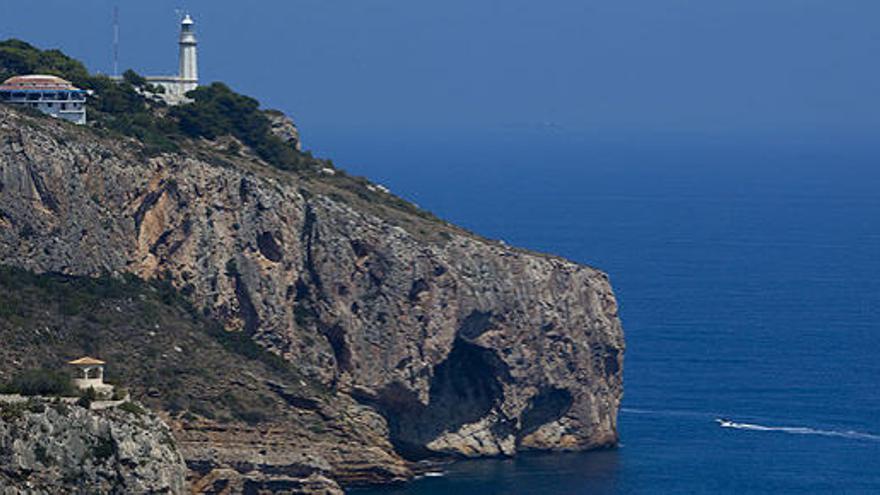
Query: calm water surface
[748, 275]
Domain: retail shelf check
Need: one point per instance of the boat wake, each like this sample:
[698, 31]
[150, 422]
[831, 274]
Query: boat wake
[799, 430]
[736, 425]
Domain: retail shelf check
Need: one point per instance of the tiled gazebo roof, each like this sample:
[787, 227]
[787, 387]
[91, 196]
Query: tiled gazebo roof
[86, 361]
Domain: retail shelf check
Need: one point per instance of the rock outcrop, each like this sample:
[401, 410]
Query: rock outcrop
[48, 448]
[284, 128]
[241, 416]
[463, 345]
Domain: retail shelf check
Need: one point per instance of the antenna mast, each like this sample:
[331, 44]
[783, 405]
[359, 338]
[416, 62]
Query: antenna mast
[115, 41]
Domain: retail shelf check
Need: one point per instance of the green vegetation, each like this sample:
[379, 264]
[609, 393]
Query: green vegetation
[40, 382]
[18, 57]
[131, 107]
[135, 79]
[218, 111]
[165, 351]
[41, 454]
[132, 408]
[10, 412]
[116, 106]
[104, 448]
[36, 405]
[124, 106]
[60, 407]
[86, 398]
[84, 402]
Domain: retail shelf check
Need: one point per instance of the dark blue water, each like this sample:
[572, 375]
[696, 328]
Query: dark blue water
[748, 275]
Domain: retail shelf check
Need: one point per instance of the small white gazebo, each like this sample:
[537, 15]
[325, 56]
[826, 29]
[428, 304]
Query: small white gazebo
[91, 375]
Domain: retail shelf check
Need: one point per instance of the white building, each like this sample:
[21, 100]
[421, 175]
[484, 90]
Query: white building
[187, 78]
[90, 375]
[49, 94]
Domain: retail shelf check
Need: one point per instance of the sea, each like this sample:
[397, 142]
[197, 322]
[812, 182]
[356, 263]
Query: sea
[747, 269]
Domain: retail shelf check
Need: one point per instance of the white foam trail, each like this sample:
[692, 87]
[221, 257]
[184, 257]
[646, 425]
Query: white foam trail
[792, 430]
[803, 430]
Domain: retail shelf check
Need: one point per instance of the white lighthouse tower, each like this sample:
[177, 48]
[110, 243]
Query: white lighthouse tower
[189, 68]
[187, 78]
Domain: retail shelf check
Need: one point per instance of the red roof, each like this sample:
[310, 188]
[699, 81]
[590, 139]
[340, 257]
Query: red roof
[37, 82]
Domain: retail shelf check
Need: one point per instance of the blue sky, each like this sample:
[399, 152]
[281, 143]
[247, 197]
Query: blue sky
[584, 65]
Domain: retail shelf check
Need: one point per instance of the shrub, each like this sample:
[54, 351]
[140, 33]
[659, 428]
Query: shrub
[60, 407]
[10, 308]
[41, 454]
[12, 412]
[41, 382]
[18, 57]
[217, 111]
[133, 78]
[119, 393]
[251, 416]
[88, 396]
[120, 106]
[36, 406]
[104, 449]
[132, 408]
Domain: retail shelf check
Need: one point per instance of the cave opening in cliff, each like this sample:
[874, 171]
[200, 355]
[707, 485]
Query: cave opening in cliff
[465, 387]
[547, 406]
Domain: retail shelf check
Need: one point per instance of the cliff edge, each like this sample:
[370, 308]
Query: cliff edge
[463, 346]
[51, 447]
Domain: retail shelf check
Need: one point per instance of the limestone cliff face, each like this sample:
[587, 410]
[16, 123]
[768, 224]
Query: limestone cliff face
[48, 448]
[284, 128]
[464, 345]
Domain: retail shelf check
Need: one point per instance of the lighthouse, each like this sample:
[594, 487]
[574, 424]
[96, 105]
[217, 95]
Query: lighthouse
[189, 68]
[187, 78]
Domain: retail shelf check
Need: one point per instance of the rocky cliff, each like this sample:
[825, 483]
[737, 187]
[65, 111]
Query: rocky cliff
[50, 447]
[462, 345]
[284, 128]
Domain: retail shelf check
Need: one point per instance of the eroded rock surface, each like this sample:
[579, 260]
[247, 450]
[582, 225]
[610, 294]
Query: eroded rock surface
[465, 346]
[284, 128]
[49, 448]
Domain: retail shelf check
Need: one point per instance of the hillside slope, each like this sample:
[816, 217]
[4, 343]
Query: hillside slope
[224, 397]
[464, 346]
